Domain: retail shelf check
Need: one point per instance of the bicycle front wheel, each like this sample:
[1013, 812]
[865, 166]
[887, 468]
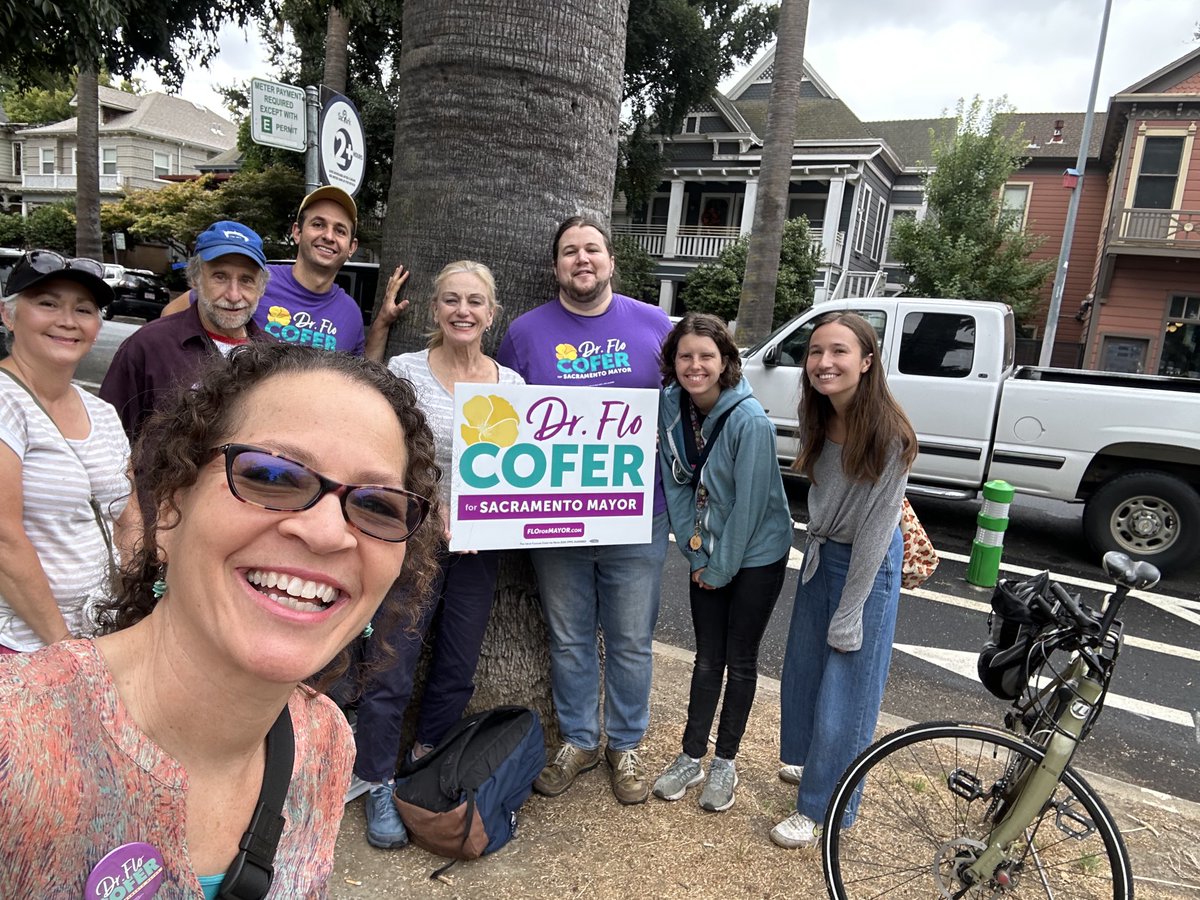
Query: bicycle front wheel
[931, 795]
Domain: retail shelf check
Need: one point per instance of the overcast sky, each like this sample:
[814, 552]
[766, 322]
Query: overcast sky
[903, 59]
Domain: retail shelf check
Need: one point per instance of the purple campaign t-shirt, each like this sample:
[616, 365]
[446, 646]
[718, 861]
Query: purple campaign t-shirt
[290, 312]
[618, 348]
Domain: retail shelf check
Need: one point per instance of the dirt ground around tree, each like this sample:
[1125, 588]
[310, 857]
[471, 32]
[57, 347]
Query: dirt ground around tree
[584, 844]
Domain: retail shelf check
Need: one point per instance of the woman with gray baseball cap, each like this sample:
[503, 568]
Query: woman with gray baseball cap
[64, 458]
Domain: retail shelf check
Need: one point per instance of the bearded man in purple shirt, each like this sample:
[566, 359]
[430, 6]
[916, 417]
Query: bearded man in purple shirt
[590, 337]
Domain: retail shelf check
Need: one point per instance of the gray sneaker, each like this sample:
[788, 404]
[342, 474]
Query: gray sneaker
[680, 775]
[717, 795]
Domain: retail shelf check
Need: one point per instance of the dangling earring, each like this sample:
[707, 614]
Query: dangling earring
[159, 588]
[369, 630]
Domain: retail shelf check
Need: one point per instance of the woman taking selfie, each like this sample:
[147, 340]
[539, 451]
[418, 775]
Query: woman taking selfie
[163, 741]
[856, 447]
[731, 521]
[64, 459]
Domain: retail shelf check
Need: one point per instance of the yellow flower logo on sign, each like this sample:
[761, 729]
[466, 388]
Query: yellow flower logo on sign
[279, 315]
[565, 351]
[490, 419]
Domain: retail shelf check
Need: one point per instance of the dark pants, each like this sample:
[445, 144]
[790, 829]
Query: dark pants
[729, 622]
[463, 594]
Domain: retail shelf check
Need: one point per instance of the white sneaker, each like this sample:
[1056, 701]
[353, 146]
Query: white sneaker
[791, 774]
[796, 831]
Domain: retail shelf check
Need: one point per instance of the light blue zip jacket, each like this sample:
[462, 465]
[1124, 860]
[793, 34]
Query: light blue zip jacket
[746, 522]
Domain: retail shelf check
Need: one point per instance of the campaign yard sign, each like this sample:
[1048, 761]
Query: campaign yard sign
[551, 466]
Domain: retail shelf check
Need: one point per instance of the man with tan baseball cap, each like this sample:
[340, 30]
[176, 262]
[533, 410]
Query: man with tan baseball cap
[302, 305]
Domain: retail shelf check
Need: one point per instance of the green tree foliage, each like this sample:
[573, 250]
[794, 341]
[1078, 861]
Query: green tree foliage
[716, 287]
[967, 247]
[635, 269]
[676, 52]
[264, 201]
[39, 104]
[52, 227]
[12, 230]
[374, 43]
[50, 100]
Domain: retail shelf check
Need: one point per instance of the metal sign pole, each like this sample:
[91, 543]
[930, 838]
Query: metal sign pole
[311, 162]
[1060, 276]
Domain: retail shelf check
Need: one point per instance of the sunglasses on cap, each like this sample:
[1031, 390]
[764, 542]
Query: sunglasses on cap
[266, 479]
[36, 266]
[47, 262]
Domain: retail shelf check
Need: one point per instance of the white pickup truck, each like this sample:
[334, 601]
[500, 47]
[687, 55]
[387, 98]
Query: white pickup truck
[1127, 446]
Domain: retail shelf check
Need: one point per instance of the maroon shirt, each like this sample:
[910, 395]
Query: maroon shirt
[155, 359]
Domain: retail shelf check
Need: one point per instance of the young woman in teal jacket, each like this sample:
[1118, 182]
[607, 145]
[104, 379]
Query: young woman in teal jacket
[727, 508]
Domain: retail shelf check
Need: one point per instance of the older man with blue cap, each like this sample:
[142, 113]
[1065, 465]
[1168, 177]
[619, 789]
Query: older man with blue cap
[227, 274]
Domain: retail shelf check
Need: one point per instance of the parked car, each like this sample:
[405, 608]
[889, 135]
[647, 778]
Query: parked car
[8, 259]
[138, 294]
[1126, 446]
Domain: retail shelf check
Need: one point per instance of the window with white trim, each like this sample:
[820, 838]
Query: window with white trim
[861, 219]
[691, 124]
[1014, 204]
[108, 161]
[1158, 174]
[877, 236]
[162, 164]
[901, 213]
[1181, 338]
[18, 162]
[47, 155]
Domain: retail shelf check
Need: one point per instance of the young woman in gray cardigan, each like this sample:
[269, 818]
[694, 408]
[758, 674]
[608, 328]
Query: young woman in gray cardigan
[856, 448]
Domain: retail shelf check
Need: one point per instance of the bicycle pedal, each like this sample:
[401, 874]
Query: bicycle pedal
[964, 784]
[1072, 823]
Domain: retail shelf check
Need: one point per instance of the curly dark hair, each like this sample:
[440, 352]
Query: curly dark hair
[177, 441]
[704, 325]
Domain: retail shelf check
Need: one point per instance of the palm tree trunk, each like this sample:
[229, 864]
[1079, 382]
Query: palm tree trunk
[87, 163]
[337, 37]
[757, 302]
[506, 124]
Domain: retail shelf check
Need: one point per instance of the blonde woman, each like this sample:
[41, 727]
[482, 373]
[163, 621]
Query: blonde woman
[463, 309]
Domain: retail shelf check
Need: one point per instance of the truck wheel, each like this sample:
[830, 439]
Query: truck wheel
[1147, 515]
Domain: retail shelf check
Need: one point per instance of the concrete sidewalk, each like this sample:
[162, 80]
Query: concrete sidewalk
[584, 844]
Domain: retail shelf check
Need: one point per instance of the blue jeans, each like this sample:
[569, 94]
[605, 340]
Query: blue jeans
[462, 601]
[829, 700]
[616, 588]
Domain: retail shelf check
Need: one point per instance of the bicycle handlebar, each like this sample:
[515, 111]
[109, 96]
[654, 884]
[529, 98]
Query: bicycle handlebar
[1083, 619]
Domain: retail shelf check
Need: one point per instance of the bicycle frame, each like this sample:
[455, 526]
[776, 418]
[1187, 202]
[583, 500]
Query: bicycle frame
[1086, 677]
[1036, 787]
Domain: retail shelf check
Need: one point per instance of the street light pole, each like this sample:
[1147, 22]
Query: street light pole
[1064, 255]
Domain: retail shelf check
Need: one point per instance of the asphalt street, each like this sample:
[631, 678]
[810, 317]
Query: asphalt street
[1149, 734]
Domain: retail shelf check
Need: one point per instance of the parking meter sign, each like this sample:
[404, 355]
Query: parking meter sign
[277, 115]
[343, 150]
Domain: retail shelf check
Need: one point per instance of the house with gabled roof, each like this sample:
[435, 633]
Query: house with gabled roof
[144, 139]
[1144, 312]
[1131, 299]
[842, 180]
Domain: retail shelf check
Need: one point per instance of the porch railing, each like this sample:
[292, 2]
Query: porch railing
[1160, 226]
[701, 241]
[60, 182]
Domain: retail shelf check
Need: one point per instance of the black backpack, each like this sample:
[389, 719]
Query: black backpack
[461, 799]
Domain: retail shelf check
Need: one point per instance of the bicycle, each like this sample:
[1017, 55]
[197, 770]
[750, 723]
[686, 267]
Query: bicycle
[953, 810]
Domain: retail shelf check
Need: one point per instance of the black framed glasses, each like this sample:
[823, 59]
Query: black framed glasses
[267, 479]
[47, 262]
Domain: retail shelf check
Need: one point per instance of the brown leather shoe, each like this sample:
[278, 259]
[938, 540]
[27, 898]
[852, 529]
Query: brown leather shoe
[629, 782]
[568, 763]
